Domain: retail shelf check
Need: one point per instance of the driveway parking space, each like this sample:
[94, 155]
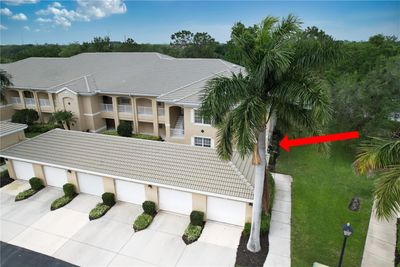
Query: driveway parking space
[67, 233]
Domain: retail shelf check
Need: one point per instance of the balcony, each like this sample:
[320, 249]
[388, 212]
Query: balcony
[30, 102]
[44, 102]
[145, 110]
[125, 108]
[177, 132]
[161, 112]
[106, 107]
[15, 100]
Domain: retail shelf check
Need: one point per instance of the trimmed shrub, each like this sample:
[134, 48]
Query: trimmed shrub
[108, 199]
[192, 233]
[36, 183]
[147, 137]
[142, 222]
[124, 129]
[69, 190]
[98, 211]
[61, 202]
[197, 218]
[25, 194]
[4, 174]
[149, 207]
[41, 127]
[26, 116]
[264, 228]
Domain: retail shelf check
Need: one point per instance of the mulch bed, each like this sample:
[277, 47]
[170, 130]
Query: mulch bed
[246, 258]
[397, 251]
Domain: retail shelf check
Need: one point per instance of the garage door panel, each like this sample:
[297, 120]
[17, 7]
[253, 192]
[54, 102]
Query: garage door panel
[55, 176]
[130, 192]
[23, 170]
[90, 184]
[175, 201]
[225, 210]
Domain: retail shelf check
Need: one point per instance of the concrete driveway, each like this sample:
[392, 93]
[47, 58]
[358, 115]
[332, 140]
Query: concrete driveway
[67, 233]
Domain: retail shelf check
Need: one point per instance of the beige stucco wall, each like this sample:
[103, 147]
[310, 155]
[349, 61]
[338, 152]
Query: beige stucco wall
[199, 203]
[11, 139]
[151, 194]
[39, 173]
[73, 179]
[249, 212]
[6, 112]
[10, 168]
[109, 185]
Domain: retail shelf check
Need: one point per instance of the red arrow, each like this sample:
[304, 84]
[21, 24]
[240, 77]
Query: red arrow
[286, 143]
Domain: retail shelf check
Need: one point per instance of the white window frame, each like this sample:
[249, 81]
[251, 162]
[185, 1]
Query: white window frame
[193, 115]
[203, 137]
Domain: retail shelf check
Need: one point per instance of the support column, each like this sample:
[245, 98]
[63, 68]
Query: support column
[39, 173]
[37, 104]
[249, 212]
[109, 185]
[151, 194]
[10, 168]
[73, 179]
[167, 122]
[155, 116]
[199, 203]
[22, 97]
[51, 100]
[135, 115]
[115, 111]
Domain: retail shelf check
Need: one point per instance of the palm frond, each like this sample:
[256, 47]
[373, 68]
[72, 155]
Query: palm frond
[377, 153]
[387, 193]
[225, 138]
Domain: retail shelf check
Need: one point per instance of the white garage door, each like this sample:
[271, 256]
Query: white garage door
[129, 192]
[224, 210]
[175, 201]
[90, 184]
[23, 170]
[55, 176]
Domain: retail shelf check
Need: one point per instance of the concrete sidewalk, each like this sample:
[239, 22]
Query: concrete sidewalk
[381, 242]
[279, 232]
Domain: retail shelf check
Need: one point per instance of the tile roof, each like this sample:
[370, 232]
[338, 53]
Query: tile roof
[182, 166]
[148, 74]
[7, 128]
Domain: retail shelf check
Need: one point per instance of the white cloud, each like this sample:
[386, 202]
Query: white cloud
[27, 28]
[86, 11]
[20, 2]
[19, 16]
[5, 12]
[41, 20]
[3, 28]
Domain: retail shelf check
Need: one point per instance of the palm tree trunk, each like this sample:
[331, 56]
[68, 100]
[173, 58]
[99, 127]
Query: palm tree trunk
[265, 197]
[253, 244]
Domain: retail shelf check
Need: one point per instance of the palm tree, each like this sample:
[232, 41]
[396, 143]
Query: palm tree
[280, 82]
[5, 81]
[63, 118]
[383, 157]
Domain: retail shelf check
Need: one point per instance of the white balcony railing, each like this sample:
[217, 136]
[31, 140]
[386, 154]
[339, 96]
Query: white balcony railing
[44, 102]
[30, 101]
[145, 110]
[125, 108]
[161, 111]
[15, 100]
[177, 132]
[106, 107]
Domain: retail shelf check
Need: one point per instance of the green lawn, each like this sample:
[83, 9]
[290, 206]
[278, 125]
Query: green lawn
[321, 191]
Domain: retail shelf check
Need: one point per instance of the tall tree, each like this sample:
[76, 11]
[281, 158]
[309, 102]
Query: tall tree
[182, 39]
[280, 62]
[5, 81]
[382, 156]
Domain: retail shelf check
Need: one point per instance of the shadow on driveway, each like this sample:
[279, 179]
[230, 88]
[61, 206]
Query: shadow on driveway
[13, 256]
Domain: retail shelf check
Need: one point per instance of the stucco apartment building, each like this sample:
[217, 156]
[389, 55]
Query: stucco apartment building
[157, 93]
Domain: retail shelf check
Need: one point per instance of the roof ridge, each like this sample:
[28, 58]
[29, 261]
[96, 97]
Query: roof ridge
[241, 176]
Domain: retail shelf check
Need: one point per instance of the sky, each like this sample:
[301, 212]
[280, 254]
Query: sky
[63, 22]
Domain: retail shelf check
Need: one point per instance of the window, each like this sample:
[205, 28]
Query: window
[202, 141]
[199, 119]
